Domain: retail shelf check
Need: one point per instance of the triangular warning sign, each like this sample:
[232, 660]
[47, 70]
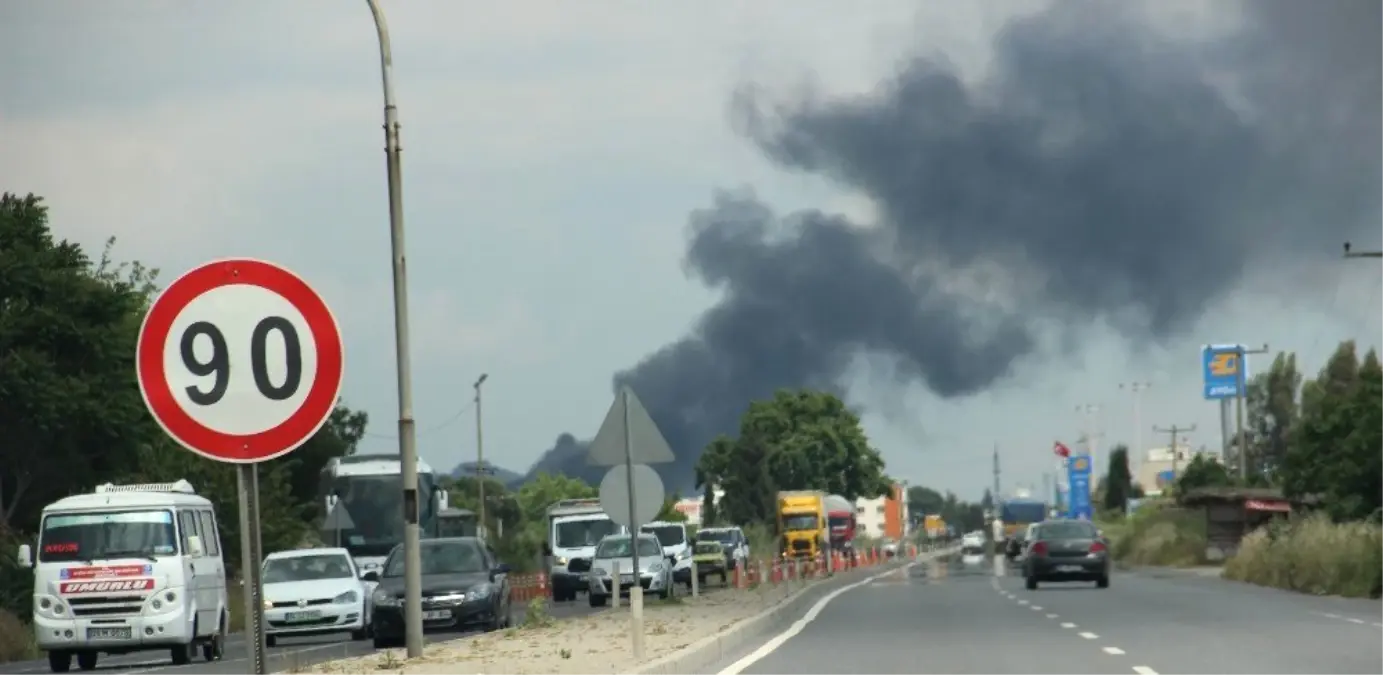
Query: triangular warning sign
[647, 443]
[338, 519]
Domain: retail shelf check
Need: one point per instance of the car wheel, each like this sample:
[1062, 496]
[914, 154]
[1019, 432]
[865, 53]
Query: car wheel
[59, 661]
[1102, 582]
[215, 648]
[597, 600]
[181, 654]
[86, 660]
[1031, 583]
[359, 634]
[270, 641]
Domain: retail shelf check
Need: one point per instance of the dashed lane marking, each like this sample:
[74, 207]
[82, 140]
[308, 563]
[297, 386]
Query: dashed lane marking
[1114, 651]
[1035, 608]
[1053, 616]
[1144, 670]
[1022, 602]
[1090, 636]
[1068, 624]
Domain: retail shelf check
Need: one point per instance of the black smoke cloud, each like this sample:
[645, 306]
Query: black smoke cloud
[1110, 173]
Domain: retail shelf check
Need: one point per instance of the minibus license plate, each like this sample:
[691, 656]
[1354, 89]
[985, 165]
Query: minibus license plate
[109, 633]
[436, 615]
[302, 616]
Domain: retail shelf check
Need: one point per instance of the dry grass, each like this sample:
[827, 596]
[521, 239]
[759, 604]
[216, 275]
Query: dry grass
[1160, 535]
[16, 639]
[1313, 555]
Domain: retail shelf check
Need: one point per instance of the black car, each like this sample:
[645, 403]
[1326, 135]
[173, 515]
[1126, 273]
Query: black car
[463, 585]
[1066, 550]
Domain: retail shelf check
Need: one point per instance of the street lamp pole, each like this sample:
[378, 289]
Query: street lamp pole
[480, 458]
[408, 451]
[1361, 254]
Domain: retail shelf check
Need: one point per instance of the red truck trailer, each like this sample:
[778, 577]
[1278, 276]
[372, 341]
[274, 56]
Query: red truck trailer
[840, 513]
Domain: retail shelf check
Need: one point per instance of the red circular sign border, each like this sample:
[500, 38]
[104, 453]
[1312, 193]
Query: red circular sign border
[234, 448]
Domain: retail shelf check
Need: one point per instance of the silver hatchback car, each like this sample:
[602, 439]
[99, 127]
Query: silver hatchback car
[612, 568]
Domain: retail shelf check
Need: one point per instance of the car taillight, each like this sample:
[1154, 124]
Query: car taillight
[1097, 547]
[1039, 548]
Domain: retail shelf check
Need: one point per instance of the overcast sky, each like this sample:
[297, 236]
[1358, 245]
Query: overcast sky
[556, 151]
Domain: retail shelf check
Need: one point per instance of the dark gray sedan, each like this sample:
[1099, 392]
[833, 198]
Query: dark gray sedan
[1066, 550]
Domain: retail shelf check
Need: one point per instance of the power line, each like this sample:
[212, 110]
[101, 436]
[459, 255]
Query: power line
[1361, 254]
[448, 422]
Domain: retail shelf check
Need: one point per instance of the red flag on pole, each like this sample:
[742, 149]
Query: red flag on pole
[1060, 449]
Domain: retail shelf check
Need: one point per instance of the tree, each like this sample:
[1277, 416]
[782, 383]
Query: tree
[1272, 412]
[70, 410]
[987, 501]
[1318, 443]
[1202, 471]
[1118, 481]
[797, 440]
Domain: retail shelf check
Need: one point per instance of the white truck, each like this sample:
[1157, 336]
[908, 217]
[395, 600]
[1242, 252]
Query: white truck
[128, 568]
[574, 528]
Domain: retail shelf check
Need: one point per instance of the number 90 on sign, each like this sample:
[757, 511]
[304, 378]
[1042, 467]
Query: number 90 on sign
[240, 360]
[235, 359]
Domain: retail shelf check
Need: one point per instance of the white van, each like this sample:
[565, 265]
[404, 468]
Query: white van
[677, 546]
[128, 568]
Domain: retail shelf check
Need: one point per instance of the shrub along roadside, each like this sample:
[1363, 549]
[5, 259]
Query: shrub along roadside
[1313, 555]
[1158, 534]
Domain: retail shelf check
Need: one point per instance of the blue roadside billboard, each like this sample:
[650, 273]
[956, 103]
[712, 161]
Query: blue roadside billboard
[1224, 370]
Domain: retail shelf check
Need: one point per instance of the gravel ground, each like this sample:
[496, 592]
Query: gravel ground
[597, 643]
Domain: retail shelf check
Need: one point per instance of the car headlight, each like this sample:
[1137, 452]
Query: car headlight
[53, 606]
[480, 591]
[686, 553]
[385, 599]
[347, 597]
[268, 604]
[655, 568]
[561, 561]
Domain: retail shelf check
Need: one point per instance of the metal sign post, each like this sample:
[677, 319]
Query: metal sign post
[250, 572]
[627, 442]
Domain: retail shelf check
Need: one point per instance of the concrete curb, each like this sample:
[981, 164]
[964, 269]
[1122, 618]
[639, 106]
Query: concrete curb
[701, 656]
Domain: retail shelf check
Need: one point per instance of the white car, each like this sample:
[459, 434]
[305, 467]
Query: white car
[975, 539]
[613, 568]
[314, 591]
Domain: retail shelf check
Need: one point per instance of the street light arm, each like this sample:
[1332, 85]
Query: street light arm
[386, 53]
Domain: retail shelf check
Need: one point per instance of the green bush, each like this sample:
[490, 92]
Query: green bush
[1159, 534]
[1313, 555]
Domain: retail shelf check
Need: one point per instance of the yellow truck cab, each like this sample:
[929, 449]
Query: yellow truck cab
[802, 525]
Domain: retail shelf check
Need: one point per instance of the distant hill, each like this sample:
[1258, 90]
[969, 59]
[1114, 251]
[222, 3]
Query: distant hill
[500, 474]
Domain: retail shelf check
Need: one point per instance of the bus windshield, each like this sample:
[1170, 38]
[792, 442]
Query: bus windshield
[103, 535]
[375, 506]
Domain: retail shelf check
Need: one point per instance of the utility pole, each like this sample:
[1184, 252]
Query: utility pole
[1090, 432]
[1137, 388]
[483, 531]
[1240, 397]
[997, 496]
[1361, 254]
[1174, 430]
[408, 451]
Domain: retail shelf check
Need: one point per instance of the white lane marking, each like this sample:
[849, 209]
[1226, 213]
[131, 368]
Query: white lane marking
[1053, 616]
[1358, 621]
[1090, 636]
[1378, 625]
[1036, 608]
[1330, 616]
[1022, 602]
[1068, 624]
[1114, 651]
[798, 626]
[1144, 670]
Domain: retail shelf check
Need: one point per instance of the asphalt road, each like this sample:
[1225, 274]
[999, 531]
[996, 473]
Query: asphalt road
[290, 654]
[1147, 622]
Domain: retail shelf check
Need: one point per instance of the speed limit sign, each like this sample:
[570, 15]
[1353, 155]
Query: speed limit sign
[240, 361]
